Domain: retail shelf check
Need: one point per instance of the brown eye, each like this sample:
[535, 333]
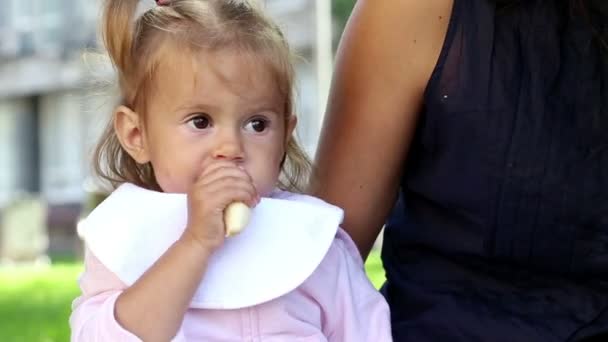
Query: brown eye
[257, 125]
[200, 122]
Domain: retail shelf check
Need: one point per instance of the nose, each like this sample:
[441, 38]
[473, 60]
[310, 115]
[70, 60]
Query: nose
[229, 147]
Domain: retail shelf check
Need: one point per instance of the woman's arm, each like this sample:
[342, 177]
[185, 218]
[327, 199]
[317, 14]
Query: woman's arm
[386, 56]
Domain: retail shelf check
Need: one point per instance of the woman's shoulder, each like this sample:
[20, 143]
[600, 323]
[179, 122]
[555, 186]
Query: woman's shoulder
[413, 30]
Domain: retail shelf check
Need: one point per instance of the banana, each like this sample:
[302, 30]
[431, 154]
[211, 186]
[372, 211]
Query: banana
[236, 217]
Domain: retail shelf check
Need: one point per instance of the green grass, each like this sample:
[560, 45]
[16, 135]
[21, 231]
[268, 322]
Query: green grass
[374, 269]
[35, 302]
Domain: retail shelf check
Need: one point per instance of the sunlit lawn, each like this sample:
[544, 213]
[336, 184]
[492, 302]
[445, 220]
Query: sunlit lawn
[374, 269]
[35, 301]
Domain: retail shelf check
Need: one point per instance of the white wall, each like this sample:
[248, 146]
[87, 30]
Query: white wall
[307, 129]
[15, 116]
[307, 26]
[61, 155]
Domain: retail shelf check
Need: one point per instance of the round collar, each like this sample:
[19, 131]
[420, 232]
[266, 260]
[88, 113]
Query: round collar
[284, 242]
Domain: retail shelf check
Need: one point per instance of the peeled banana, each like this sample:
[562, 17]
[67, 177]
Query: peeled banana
[236, 217]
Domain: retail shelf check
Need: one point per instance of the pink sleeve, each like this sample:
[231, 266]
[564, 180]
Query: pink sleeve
[92, 316]
[355, 310]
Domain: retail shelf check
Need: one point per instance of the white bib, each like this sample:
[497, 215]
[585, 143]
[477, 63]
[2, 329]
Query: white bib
[284, 242]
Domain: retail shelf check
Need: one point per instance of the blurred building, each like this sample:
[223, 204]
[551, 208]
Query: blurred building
[51, 113]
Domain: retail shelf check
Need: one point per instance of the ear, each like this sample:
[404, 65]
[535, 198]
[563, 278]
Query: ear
[129, 130]
[290, 125]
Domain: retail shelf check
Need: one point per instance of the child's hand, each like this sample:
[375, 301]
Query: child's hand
[220, 184]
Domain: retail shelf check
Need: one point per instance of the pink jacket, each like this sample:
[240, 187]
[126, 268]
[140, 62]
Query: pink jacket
[336, 303]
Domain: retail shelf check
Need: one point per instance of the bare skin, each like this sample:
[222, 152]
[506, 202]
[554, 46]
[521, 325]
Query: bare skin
[386, 57]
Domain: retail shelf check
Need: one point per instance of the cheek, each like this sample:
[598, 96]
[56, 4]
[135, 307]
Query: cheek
[275, 152]
[169, 180]
[264, 163]
[176, 167]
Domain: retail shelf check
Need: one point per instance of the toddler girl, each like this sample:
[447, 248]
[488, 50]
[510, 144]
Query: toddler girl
[206, 120]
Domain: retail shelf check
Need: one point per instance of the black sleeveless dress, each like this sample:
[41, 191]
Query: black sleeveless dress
[501, 231]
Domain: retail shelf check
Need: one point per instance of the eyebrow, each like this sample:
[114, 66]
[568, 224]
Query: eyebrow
[198, 106]
[262, 106]
[265, 104]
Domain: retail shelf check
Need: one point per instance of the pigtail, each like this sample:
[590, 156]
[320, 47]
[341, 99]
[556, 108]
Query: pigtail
[117, 32]
[111, 162]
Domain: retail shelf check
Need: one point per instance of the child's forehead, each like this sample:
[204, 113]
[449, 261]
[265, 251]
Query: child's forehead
[226, 65]
[205, 74]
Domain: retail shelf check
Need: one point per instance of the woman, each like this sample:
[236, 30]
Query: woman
[489, 121]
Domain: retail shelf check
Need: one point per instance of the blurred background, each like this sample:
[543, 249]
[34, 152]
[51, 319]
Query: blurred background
[53, 108]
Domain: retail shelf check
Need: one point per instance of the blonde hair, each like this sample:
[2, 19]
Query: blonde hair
[134, 46]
